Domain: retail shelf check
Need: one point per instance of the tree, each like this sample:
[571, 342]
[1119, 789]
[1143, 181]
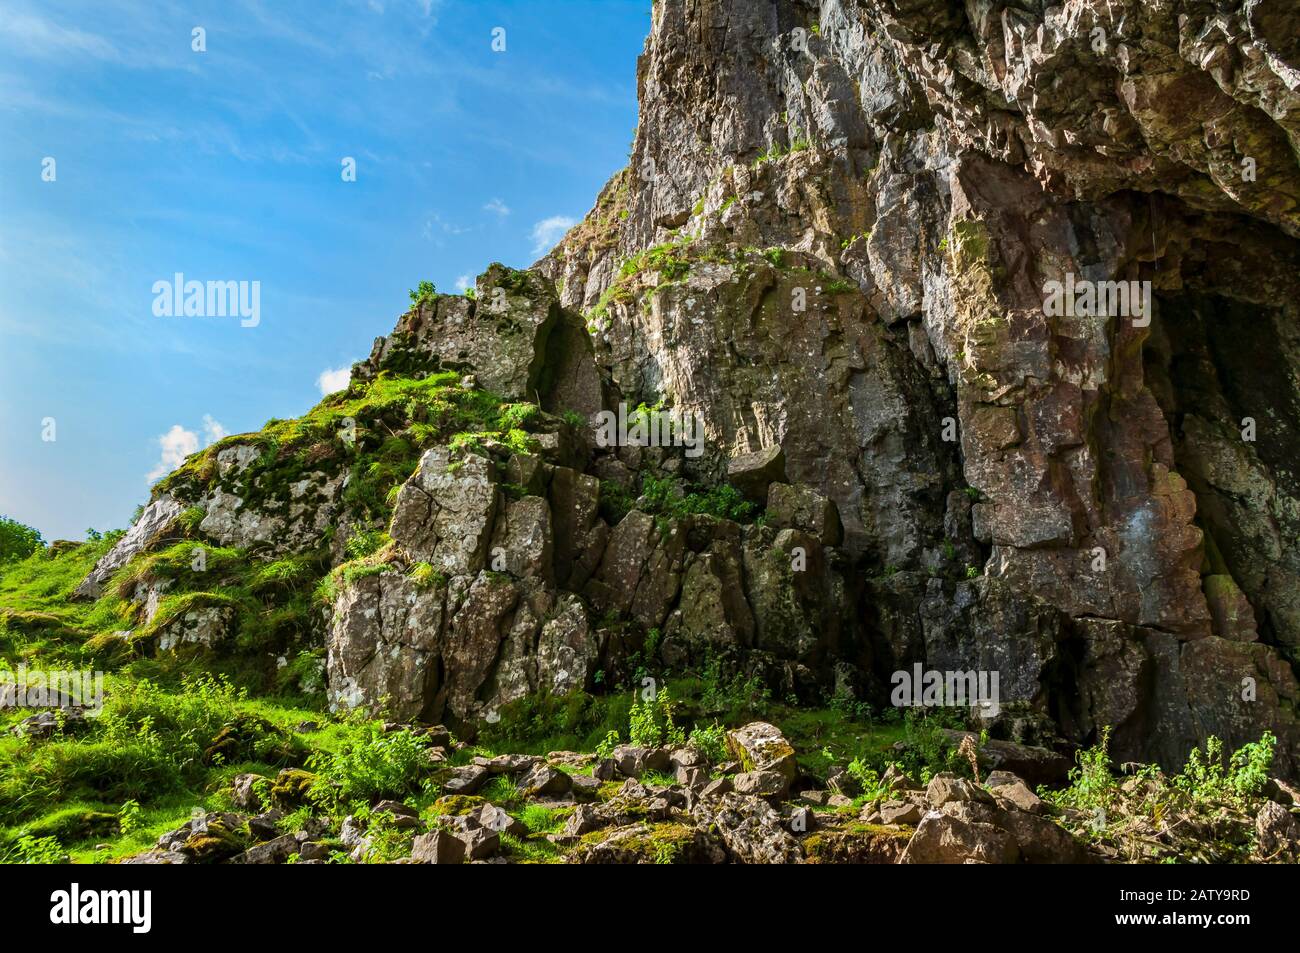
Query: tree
[17, 541]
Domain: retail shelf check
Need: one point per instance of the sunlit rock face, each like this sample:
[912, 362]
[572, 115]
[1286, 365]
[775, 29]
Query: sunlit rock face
[985, 319]
[929, 170]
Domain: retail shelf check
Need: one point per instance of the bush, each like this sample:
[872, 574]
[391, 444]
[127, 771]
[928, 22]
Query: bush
[666, 497]
[422, 293]
[17, 541]
[368, 765]
[34, 850]
[711, 742]
[1206, 778]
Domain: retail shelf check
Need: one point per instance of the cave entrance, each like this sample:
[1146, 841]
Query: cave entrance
[1226, 373]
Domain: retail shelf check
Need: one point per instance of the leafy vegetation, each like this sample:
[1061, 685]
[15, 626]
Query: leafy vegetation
[17, 541]
[423, 293]
[368, 764]
[666, 497]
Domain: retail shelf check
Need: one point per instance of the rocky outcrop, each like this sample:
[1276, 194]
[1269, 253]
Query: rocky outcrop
[487, 622]
[553, 811]
[152, 524]
[919, 175]
[984, 321]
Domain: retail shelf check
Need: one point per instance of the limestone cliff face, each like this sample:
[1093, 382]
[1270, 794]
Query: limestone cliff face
[845, 241]
[927, 169]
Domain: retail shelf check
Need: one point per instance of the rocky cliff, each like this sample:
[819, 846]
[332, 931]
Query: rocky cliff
[988, 314]
[1123, 482]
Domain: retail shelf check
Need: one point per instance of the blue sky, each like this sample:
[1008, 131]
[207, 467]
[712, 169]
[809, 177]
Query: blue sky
[226, 165]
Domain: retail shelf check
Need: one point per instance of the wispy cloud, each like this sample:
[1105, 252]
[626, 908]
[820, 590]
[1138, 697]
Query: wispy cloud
[41, 37]
[213, 430]
[497, 206]
[549, 231]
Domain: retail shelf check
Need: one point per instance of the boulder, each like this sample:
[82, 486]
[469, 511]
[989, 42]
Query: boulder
[1033, 764]
[945, 787]
[767, 784]
[243, 794]
[751, 829]
[499, 338]
[760, 746]
[799, 506]
[1277, 832]
[445, 512]
[1038, 839]
[383, 643]
[275, 851]
[479, 842]
[1011, 792]
[752, 473]
[944, 839]
[438, 847]
[545, 781]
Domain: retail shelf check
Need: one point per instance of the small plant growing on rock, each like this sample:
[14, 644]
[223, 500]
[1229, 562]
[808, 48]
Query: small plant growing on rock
[1091, 783]
[710, 741]
[423, 293]
[608, 744]
[868, 781]
[1206, 778]
[365, 543]
[650, 723]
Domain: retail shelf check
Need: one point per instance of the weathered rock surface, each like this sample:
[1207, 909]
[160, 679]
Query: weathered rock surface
[835, 246]
[926, 171]
[156, 518]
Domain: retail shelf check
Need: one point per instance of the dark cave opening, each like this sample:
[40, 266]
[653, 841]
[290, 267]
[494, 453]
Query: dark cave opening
[1223, 374]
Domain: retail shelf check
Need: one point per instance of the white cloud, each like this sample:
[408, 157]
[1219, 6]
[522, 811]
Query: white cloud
[498, 206]
[177, 444]
[463, 282]
[549, 231]
[335, 379]
[213, 430]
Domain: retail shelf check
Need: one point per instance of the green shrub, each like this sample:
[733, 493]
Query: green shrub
[146, 743]
[423, 294]
[34, 850]
[17, 541]
[368, 764]
[366, 542]
[666, 497]
[731, 690]
[650, 723]
[1206, 777]
[710, 741]
[867, 780]
[1091, 783]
